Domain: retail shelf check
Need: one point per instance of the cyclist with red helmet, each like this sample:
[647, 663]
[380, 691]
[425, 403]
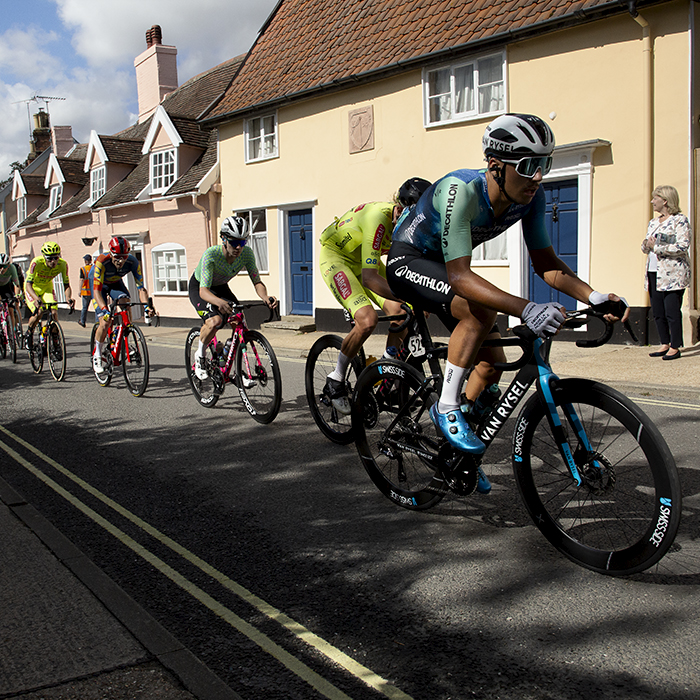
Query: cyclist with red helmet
[106, 282]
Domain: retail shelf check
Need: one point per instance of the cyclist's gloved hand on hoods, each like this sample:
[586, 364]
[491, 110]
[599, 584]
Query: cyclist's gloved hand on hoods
[543, 319]
[617, 306]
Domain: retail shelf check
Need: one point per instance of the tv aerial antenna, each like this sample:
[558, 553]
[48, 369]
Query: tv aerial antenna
[37, 98]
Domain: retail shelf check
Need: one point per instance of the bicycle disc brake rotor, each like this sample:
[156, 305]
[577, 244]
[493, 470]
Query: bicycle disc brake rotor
[459, 470]
[597, 472]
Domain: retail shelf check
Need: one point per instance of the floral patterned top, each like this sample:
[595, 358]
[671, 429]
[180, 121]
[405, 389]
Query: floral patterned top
[671, 240]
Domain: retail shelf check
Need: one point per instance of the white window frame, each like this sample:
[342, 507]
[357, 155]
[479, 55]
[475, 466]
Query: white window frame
[491, 253]
[267, 139]
[21, 209]
[163, 170]
[59, 290]
[161, 264]
[450, 95]
[98, 182]
[55, 197]
[257, 225]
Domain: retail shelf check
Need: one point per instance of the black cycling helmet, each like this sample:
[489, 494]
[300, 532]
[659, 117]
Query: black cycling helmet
[411, 190]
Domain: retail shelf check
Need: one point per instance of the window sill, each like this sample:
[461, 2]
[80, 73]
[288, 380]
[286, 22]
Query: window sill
[464, 120]
[489, 263]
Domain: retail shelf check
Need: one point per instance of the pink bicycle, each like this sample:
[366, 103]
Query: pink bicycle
[246, 360]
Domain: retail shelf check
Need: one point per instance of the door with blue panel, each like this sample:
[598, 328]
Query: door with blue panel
[561, 219]
[301, 256]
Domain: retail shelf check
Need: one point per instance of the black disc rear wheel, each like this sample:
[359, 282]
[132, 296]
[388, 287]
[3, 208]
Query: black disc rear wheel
[320, 362]
[398, 444]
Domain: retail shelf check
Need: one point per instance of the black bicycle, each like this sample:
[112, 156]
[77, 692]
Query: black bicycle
[47, 340]
[594, 472]
[321, 361]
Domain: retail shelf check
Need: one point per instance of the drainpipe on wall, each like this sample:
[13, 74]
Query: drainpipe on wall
[648, 116]
[205, 211]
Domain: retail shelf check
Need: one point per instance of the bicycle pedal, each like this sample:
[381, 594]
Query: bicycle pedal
[460, 470]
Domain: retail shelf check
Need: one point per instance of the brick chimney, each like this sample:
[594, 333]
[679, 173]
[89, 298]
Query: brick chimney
[41, 136]
[61, 140]
[156, 72]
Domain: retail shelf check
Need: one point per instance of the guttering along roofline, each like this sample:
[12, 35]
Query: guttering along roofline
[575, 19]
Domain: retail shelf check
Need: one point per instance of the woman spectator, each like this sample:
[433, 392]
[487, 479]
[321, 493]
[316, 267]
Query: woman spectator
[668, 269]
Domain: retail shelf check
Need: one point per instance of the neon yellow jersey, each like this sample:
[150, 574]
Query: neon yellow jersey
[362, 235]
[41, 276]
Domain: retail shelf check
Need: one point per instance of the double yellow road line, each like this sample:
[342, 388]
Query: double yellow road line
[297, 667]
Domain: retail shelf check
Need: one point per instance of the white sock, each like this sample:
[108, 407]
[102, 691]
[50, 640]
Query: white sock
[98, 348]
[200, 350]
[451, 387]
[341, 368]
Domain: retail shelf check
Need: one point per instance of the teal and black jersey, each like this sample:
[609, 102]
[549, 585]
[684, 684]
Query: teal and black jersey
[455, 215]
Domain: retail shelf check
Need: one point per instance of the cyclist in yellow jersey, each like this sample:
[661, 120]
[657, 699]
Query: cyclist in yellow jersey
[351, 266]
[38, 285]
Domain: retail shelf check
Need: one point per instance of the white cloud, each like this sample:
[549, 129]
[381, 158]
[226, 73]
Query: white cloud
[97, 76]
[205, 34]
[24, 54]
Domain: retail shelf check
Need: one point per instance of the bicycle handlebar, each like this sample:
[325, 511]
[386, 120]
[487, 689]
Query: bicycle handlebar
[525, 338]
[273, 314]
[405, 319]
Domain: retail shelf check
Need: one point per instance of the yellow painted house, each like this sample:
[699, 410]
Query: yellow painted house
[338, 102]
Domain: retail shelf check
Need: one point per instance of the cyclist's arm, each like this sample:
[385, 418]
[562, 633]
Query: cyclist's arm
[467, 284]
[557, 274]
[261, 291]
[374, 281]
[98, 275]
[66, 285]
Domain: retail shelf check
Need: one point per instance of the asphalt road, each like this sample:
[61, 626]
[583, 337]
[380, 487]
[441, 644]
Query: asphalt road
[268, 553]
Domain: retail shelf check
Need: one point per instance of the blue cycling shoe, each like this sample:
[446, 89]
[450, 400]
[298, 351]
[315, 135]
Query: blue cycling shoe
[455, 428]
[483, 485]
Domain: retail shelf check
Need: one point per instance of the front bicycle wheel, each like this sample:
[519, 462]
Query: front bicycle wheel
[395, 437]
[12, 341]
[320, 362]
[206, 391]
[3, 341]
[258, 377]
[36, 351]
[624, 515]
[56, 350]
[105, 376]
[135, 360]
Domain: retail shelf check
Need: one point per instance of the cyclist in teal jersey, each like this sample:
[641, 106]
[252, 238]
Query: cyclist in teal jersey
[430, 261]
[208, 288]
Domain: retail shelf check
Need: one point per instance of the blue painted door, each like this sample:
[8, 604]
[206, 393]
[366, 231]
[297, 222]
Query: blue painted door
[561, 218]
[301, 243]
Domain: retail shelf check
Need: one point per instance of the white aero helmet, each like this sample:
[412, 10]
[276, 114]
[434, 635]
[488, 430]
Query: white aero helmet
[4, 259]
[234, 228]
[511, 137]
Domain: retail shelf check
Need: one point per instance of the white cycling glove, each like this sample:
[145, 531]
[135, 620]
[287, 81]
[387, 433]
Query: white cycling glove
[600, 298]
[543, 319]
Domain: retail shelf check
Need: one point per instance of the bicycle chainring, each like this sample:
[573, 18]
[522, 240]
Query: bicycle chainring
[460, 470]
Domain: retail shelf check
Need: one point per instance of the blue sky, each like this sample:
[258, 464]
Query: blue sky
[84, 50]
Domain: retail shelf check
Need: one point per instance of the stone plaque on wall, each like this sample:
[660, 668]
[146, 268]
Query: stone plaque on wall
[361, 123]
